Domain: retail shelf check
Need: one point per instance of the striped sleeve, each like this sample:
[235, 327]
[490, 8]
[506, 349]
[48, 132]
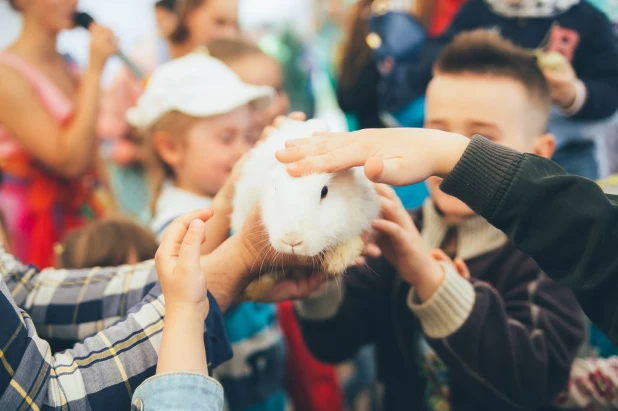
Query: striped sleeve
[74, 304]
[100, 373]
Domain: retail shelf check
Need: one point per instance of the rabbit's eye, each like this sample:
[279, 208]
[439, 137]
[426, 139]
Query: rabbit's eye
[324, 192]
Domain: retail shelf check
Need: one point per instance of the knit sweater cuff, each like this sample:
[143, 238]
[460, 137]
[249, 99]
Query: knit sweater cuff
[482, 176]
[581, 94]
[450, 306]
[320, 307]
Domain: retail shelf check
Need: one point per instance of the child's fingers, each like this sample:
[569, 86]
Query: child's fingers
[393, 210]
[439, 255]
[387, 191]
[280, 120]
[389, 228]
[173, 237]
[303, 163]
[297, 115]
[462, 268]
[268, 130]
[372, 250]
[189, 257]
[393, 171]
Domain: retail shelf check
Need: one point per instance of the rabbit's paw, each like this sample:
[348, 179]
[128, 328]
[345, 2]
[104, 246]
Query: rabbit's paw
[338, 259]
[260, 286]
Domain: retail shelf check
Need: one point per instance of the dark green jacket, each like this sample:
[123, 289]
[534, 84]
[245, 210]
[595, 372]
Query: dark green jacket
[566, 223]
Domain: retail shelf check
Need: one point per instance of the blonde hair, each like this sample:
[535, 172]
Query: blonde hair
[106, 243]
[176, 125]
[229, 50]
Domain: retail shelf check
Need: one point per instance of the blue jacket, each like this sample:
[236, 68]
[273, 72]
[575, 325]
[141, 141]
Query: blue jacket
[178, 391]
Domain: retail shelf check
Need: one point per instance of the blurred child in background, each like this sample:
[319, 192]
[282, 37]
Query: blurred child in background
[253, 66]
[110, 242]
[578, 53]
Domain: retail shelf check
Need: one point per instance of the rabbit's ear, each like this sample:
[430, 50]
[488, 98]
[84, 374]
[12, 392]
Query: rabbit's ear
[344, 175]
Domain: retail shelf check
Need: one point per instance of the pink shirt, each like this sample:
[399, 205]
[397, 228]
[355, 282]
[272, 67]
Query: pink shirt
[52, 98]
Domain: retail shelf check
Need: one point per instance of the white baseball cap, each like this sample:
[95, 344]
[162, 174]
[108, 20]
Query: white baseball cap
[197, 85]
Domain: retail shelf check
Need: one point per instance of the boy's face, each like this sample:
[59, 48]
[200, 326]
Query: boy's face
[210, 150]
[498, 108]
[260, 70]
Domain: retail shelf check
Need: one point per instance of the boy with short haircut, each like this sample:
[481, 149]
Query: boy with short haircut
[506, 338]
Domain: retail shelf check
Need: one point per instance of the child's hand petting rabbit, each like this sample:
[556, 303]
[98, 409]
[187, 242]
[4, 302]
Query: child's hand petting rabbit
[402, 245]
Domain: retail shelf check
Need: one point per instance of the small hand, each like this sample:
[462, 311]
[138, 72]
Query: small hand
[402, 245]
[103, 44]
[459, 264]
[391, 156]
[177, 260]
[296, 288]
[563, 85]
[225, 196]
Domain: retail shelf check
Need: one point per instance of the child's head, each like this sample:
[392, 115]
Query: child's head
[483, 84]
[165, 14]
[253, 66]
[197, 116]
[200, 21]
[106, 243]
[53, 15]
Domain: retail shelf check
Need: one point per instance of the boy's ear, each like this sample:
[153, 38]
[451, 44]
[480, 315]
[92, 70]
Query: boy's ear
[167, 148]
[545, 145]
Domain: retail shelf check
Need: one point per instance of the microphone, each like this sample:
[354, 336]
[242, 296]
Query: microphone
[85, 20]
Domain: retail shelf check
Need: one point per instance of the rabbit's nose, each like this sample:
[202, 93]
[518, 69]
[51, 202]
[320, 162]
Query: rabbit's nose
[292, 239]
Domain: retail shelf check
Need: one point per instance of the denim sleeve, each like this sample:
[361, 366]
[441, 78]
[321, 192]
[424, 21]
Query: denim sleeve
[178, 391]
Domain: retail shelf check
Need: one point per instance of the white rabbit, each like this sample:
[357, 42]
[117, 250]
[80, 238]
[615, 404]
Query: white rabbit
[316, 215]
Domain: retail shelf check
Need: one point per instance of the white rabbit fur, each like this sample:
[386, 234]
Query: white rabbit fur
[293, 210]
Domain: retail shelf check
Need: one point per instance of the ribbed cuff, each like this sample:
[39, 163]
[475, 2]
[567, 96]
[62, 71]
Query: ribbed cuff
[321, 307]
[581, 93]
[482, 176]
[449, 307]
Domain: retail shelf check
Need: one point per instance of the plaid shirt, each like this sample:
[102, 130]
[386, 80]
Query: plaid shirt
[124, 309]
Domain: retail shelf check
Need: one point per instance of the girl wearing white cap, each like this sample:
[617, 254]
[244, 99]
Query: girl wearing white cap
[182, 26]
[197, 115]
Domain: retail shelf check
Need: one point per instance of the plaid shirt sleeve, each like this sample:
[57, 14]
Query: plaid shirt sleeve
[74, 304]
[99, 374]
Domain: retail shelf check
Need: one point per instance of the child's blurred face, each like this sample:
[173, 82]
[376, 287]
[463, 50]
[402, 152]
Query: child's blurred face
[210, 149]
[212, 20]
[166, 21]
[261, 70]
[55, 15]
[498, 108]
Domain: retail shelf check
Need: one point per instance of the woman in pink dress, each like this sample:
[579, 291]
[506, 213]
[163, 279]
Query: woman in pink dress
[48, 146]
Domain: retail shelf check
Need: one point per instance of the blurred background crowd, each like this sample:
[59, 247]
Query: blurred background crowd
[355, 63]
